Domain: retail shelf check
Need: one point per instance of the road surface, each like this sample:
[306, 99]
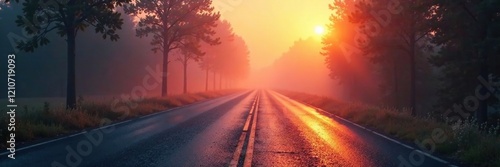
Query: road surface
[253, 128]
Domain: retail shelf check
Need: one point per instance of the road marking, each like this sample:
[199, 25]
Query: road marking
[253, 105]
[433, 157]
[251, 141]
[42, 143]
[252, 117]
[239, 148]
[376, 133]
[247, 123]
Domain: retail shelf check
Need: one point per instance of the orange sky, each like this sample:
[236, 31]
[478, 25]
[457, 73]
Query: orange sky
[271, 26]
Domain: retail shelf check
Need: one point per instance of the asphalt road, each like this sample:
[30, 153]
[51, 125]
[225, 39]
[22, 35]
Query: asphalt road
[253, 128]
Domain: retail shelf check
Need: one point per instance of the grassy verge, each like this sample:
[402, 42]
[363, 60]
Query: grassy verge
[463, 142]
[49, 120]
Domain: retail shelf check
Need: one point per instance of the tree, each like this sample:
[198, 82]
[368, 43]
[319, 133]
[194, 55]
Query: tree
[206, 64]
[67, 18]
[395, 26]
[216, 55]
[468, 36]
[338, 45]
[189, 50]
[343, 54]
[236, 64]
[170, 21]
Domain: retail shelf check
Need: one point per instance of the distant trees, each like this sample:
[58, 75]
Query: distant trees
[236, 66]
[212, 61]
[170, 22]
[301, 68]
[229, 59]
[67, 18]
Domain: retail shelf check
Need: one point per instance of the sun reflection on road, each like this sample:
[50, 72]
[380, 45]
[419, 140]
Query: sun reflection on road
[323, 134]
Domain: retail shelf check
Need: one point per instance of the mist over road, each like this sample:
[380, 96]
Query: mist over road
[255, 128]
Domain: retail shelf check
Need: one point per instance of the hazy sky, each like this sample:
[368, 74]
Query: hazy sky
[271, 26]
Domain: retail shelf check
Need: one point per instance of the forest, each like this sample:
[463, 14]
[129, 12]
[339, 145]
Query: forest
[429, 56]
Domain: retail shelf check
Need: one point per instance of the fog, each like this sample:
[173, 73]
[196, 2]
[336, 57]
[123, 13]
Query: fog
[103, 67]
[106, 68]
[301, 68]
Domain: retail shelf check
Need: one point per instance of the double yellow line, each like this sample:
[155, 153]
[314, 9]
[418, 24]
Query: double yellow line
[252, 117]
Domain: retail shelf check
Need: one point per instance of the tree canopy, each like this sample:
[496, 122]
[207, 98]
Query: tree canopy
[67, 18]
[170, 22]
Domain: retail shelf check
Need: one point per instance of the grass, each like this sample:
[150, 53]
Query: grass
[49, 119]
[464, 143]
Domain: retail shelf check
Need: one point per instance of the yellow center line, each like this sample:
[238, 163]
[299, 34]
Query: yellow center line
[251, 140]
[252, 117]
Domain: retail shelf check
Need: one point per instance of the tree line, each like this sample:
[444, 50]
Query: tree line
[439, 53]
[177, 28]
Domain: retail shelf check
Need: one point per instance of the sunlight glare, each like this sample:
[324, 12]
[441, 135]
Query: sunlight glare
[320, 30]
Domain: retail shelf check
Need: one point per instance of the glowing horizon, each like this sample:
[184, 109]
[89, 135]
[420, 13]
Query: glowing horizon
[271, 27]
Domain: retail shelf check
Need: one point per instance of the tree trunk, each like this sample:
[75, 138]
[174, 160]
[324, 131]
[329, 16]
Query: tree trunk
[351, 89]
[185, 63]
[71, 83]
[482, 113]
[164, 79]
[214, 79]
[206, 80]
[413, 81]
[395, 73]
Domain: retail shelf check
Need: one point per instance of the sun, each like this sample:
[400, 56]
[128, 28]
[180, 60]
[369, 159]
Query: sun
[320, 30]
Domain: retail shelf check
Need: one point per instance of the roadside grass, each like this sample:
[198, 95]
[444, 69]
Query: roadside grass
[465, 142]
[45, 120]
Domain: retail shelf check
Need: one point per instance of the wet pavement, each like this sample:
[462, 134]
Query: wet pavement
[208, 133]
